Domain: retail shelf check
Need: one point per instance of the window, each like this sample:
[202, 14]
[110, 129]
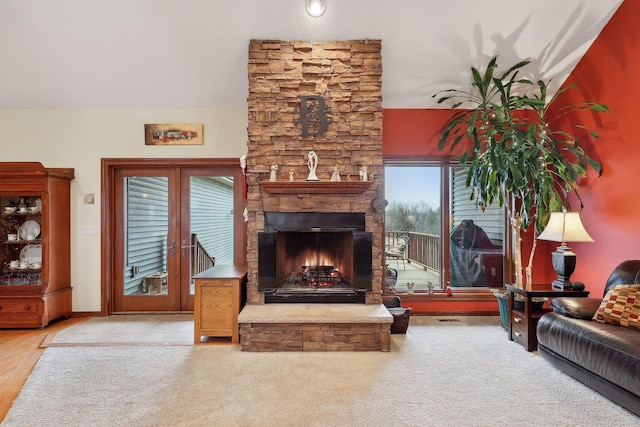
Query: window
[425, 199]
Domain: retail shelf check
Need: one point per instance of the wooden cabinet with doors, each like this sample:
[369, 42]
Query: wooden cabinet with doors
[35, 255]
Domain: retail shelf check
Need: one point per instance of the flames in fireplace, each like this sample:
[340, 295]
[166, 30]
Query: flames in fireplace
[315, 259]
[318, 271]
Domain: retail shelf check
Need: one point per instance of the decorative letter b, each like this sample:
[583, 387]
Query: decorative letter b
[313, 115]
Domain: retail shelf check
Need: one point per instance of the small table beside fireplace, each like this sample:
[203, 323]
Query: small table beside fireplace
[219, 298]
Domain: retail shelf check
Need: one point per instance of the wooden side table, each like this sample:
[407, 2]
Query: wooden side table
[523, 321]
[218, 300]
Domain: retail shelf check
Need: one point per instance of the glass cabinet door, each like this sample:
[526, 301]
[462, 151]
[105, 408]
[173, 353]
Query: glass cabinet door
[21, 240]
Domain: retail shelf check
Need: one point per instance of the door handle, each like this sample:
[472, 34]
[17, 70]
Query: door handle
[184, 247]
[173, 248]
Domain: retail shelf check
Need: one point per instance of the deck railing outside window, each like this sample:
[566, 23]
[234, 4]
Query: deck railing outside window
[423, 249]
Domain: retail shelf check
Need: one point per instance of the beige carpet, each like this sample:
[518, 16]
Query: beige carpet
[439, 374]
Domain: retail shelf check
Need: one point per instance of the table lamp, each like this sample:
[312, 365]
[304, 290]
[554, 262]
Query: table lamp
[564, 227]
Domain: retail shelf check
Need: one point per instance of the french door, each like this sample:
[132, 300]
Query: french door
[168, 224]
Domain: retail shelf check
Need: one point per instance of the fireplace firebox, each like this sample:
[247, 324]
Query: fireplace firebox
[306, 257]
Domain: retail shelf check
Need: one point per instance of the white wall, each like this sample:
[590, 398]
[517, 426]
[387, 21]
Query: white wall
[80, 138]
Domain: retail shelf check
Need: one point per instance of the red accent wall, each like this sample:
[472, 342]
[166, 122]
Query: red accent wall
[420, 307]
[607, 74]
[413, 132]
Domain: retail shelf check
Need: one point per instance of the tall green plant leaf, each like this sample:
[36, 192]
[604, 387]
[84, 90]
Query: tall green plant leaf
[521, 154]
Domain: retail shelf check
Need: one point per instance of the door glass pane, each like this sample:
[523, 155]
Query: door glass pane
[413, 224]
[146, 229]
[476, 238]
[211, 222]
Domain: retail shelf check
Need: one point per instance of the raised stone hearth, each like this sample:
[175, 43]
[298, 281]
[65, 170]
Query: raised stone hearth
[315, 327]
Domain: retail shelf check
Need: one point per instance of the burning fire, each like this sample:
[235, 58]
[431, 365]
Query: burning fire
[319, 259]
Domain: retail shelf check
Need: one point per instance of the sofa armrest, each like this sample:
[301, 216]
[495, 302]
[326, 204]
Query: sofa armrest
[578, 308]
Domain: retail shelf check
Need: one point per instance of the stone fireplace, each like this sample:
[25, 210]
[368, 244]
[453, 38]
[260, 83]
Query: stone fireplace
[348, 77]
[344, 128]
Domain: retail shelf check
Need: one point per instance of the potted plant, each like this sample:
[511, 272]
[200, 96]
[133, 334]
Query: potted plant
[521, 153]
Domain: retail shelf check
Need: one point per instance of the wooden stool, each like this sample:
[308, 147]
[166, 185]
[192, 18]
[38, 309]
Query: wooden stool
[156, 279]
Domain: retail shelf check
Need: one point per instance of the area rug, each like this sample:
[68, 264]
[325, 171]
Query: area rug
[127, 329]
[439, 374]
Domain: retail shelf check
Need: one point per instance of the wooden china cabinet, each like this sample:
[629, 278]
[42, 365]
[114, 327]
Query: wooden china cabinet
[35, 255]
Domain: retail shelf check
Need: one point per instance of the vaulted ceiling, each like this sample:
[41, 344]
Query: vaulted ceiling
[177, 53]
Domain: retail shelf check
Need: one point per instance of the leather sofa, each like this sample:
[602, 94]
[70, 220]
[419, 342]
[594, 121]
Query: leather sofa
[603, 356]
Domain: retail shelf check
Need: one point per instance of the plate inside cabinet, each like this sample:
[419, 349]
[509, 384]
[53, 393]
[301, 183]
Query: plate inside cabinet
[30, 228]
[31, 253]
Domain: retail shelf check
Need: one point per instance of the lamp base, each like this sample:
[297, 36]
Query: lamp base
[561, 285]
[564, 263]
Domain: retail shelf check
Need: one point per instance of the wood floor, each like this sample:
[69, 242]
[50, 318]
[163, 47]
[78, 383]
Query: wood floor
[19, 352]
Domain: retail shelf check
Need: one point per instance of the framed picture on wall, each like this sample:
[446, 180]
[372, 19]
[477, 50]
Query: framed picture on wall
[173, 134]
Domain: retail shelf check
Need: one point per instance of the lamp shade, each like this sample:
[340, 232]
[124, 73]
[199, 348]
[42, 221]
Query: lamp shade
[565, 227]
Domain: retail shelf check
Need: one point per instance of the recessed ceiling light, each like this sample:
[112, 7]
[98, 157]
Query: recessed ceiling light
[316, 8]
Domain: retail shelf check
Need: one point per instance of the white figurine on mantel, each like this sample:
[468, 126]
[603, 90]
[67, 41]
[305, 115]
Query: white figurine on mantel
[291, 176]
[313, 164]
[364, 176]
[336, 174]
[274, 170]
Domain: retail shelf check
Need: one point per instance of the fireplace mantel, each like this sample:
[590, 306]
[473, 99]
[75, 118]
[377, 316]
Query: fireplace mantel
[315, 187]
